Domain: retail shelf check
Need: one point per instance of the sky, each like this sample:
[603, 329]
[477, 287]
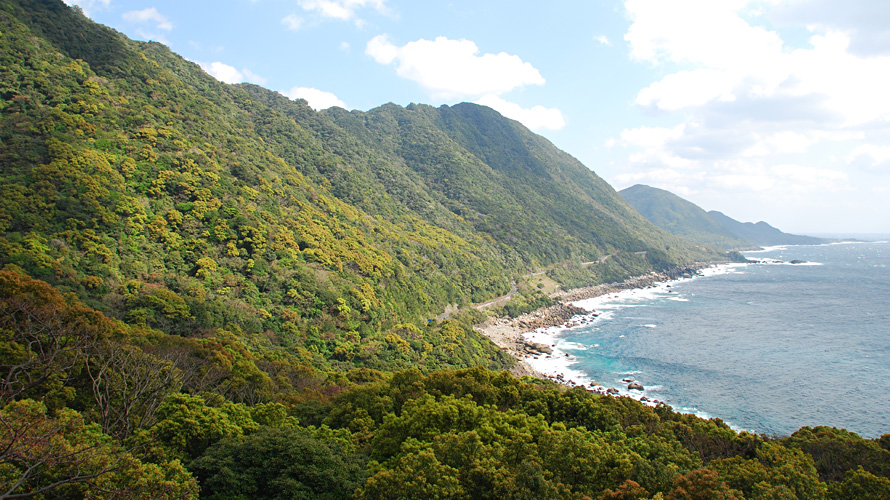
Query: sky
[774, 110]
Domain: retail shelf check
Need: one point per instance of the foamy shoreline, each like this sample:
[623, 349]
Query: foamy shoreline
[529, 336]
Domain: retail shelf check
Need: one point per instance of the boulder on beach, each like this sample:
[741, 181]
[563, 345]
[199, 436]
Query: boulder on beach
[538, 348]
[635, 386]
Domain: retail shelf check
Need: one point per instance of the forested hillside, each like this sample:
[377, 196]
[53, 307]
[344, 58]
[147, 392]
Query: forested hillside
[167, 199]
[681, 217]
[213, 290]
[687, 220]
[762, 233]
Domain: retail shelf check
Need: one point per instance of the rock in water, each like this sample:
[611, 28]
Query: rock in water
[635, 386]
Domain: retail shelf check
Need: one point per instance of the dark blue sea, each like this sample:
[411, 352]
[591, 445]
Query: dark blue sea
[766, 347]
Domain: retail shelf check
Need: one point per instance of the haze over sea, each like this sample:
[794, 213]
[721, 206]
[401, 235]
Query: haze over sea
[766, 347]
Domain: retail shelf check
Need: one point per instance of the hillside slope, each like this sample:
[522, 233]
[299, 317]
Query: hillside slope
[681, 217]
[165, 198]
[762, 233]
[211, 291]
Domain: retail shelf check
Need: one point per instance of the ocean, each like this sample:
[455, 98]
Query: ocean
[767, 347]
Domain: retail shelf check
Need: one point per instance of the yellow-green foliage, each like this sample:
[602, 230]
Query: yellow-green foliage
[122, 161]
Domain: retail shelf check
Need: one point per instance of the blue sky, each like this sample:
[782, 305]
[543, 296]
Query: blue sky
[775, 110]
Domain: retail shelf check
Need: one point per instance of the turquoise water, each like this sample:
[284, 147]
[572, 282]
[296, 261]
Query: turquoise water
[765, 347]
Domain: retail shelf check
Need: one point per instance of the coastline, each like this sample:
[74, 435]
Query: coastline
[805, 284]
[519, 336]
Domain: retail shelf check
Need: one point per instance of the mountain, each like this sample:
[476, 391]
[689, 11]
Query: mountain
[762, 233]
[212, 291]
[686, 219]
[681, 217]
[164, 198]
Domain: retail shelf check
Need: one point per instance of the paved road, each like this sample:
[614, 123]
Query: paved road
[498, 301]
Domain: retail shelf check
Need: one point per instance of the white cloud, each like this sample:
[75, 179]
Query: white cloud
[292, 22]
[870, 157]
[686, 89]
[782, 142]
[755, 182]
[652, 145]
[603, 39]
[675, 181]
[697, 31]
[343, 10]
[734, 59]
[149, 15]
[223, 72]
[229, 74]
[89, 5]
[760, 115]
[381, 49]
[317, 99]
[650, 137]
[535, 118]
[802, 178]
[250, 76]
[454, 68]
[104, 3]
[864, 21]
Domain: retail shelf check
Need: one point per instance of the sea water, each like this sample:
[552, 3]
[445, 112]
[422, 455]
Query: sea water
[767, 347]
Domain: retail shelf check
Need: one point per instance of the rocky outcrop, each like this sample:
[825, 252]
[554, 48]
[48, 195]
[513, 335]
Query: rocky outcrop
[635, 386]
[534, 349]
[549, 316]
[643, 281]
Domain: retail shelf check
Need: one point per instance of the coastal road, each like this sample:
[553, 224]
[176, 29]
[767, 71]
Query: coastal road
[498, 301]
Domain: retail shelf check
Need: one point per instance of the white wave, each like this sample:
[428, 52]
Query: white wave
[558, 364]
[768, 249]
[575, 346]
[649, 326]
[883, 242]
[695, 411]
[722, 269]
[770, 260]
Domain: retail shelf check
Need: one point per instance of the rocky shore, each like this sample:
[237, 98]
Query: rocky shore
[507, 333]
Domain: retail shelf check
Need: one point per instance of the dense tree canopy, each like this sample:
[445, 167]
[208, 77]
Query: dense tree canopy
[211, 290]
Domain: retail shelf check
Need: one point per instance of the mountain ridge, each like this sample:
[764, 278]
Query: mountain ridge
[165, 198]
[212, 291]
[764, 234]
[683, 218]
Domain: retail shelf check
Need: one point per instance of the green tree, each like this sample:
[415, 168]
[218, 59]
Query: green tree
[62, 456]
[284, 463]
[700, 484]
[43, 336]
[188, 426]
[860, 484]
[414, 475]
